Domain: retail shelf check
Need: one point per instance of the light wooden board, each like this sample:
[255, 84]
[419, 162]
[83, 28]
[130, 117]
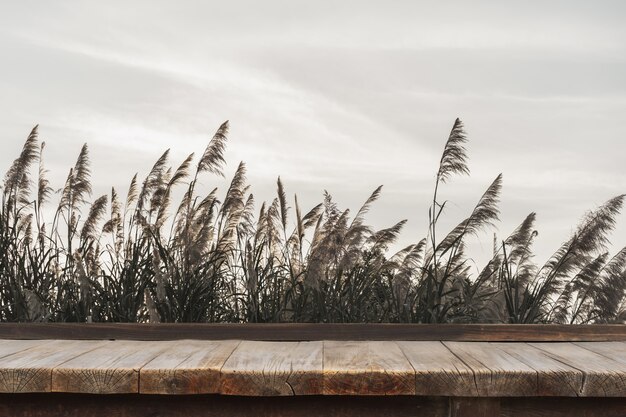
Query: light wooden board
[30, 370]
[496, 373]
[604, 377]
[186, 367]
[437, 370]
[367, 368]
[110, 369]
[9, 347]
[554, 378]
[273, 368]
[612, 350]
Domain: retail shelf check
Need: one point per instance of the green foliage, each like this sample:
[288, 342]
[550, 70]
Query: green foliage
[206, 259]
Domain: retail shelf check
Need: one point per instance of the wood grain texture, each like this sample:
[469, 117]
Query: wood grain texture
[496, 373]
[110, 369]
[554, 378]
[314, 331]
[603, 377]
[30, 370]
[186, 367]
[367, 368]
[612, 350]
[9, 347]
[437, 370]
[273, 368]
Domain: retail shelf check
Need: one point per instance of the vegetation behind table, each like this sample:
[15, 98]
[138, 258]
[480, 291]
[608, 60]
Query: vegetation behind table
[139, 257]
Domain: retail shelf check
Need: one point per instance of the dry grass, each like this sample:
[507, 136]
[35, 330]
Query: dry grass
[205, 259]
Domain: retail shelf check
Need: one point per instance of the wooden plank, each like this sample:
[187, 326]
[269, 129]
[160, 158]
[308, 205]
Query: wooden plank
[438, 371]
[9, 347]
[109, 369]
[496, 373]
[273, 368]
[554, 378]
[30, 370]
[612, 350]
[604, 377]
[143, 405]
[367, 368]
[312, 331]
[186, 367]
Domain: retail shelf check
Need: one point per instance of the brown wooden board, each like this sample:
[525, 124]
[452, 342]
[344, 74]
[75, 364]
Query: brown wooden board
[367, 368]
[554, 378]
[612, 350]
[273, 368]
[437, 370]
[603, 377]
[186, 367]
[9, 347]
[30, 370]
[496, 373]
[303, 332]
[110, 369]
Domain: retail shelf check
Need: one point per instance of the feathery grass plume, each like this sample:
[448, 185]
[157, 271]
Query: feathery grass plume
[96, 213]
[589, 238]
[43, 185]
[16, 178]
[77, 186]
[213, 157]
[573, 302]
[81, 182]
[282, 200]
[485, 213]
[521, 239]
[610, 291]
[383, 238]
[220, 262]
[454, 157]
[133, 192]
[179, 175]
[152, 181]
[233, 208]
[116, 214]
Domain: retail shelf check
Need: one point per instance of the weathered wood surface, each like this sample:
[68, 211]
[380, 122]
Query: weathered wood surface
[496, 373]
[603, 377]
[30, 370]
[273, 368]
[367, 368]
[9, 347]
[437, 370]
[612, 350]
[554, 378]
[312, 331]
[109, 369]
[249, 368]
[187, 367]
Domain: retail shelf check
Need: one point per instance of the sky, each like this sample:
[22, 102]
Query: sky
[338, 96]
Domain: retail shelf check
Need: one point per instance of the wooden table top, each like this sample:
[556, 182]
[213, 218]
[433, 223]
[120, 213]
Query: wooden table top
[251, 368]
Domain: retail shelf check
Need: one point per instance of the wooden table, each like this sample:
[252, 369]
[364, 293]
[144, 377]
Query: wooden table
[236, 377]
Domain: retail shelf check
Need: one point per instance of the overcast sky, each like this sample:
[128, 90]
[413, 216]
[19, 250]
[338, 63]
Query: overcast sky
[342, 96]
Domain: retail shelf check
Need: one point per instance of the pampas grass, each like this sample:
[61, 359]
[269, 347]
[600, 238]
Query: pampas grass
[140, 256]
